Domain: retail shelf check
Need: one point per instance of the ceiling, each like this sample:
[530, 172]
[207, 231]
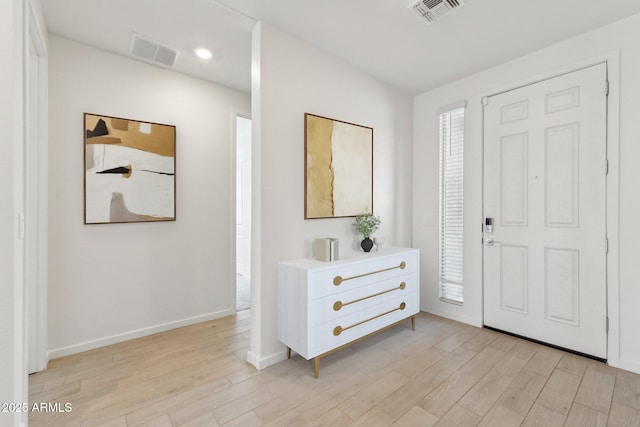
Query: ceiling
[385, 38]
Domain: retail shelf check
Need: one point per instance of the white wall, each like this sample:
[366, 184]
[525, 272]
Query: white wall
[624, 270]
[113, 282]
[290, 78]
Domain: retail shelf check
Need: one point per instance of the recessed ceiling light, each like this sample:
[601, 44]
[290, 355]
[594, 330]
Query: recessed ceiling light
[204, 53]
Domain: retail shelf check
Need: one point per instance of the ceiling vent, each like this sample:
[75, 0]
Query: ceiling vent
[432, 10]
[152, 52]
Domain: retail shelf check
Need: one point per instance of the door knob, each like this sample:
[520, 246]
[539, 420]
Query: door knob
[489, 242]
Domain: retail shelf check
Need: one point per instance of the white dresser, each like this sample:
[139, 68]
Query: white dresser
[324, 306]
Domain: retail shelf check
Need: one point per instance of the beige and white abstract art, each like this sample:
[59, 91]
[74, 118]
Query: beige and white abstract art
[338, 168]
[129, 170]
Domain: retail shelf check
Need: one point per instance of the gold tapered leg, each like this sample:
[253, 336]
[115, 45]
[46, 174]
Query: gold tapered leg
[413, 323]
[288, 352]
[316, 367]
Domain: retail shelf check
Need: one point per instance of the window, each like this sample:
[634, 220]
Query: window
[451, 205]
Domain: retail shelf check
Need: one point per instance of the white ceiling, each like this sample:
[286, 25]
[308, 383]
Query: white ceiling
[382, 37]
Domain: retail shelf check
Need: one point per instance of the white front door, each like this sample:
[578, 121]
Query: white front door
[544, 188]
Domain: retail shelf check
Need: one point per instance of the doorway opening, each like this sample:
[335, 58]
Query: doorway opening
[243, 213]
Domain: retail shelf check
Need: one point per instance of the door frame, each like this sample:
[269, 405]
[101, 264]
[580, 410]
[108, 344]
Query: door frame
[612, 202]
[36, 194]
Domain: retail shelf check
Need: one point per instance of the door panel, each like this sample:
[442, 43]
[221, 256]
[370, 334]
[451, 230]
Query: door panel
[514, 186]
[514, 282]
[561, 147]
[544, 186]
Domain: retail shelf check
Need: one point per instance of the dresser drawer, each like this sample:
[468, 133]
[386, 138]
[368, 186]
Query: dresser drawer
[343, 330]
[357, 298]
[348, 276]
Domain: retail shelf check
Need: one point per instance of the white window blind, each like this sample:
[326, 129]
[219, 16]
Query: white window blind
[451, 204]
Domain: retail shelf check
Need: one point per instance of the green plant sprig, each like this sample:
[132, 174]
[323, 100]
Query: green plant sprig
[366, 224]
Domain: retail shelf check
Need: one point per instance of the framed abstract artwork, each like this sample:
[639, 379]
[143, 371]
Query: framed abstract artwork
[338, 168]
[129, 170]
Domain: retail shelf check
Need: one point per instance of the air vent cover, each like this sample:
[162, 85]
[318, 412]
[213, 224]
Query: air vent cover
[432, 10]
[153, 52]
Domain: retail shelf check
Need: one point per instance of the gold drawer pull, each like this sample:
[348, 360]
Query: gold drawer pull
[339, 279]
[339, 304]
[339, 329]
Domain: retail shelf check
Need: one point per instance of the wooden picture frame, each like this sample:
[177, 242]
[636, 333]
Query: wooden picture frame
[129, 170]
[338, 165]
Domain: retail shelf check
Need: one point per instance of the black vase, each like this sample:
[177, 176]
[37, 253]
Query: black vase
[366, 244]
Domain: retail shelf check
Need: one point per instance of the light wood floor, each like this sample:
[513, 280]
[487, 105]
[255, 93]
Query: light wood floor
[443, 374]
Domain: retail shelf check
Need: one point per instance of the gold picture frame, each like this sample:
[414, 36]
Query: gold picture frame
[338, 167]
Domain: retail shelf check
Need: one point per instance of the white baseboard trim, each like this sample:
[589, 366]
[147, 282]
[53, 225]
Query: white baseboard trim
[628, 365]
[113, 339]
[453, 316]
[261, 363]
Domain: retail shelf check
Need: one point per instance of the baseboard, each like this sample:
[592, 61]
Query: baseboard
[453, 316]
[628, 365]
[261, 363]
[113, 339]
